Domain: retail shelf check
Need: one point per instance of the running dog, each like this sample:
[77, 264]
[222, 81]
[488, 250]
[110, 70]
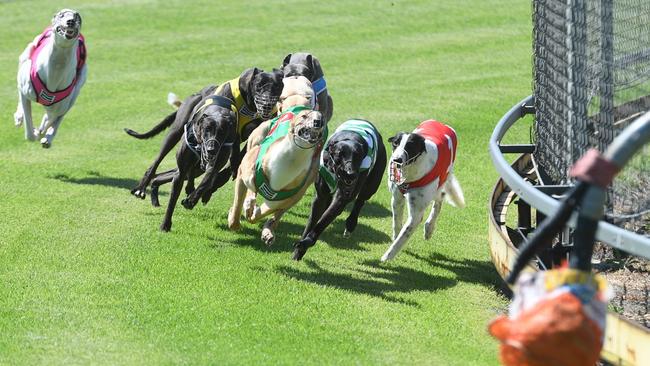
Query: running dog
[210, 139]
[307, 65]
[421, 171]
[254, 94]
[51, 71]
[280, 168]
[297, 90]
[352, 164]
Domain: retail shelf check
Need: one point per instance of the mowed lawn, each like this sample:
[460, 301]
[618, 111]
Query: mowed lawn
[86, 277]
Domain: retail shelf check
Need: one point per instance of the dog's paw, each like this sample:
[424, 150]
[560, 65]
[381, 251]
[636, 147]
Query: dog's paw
[188, 203]
[45, 143]
[387, 256]
[233, 222]
[346, 233]
[267, 236]
[139, 193]
[298, 253]
[18, 119]
[165, 226]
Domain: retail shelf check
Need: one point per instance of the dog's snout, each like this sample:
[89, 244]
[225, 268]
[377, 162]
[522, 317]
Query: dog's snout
[398, 160]
[211, 147]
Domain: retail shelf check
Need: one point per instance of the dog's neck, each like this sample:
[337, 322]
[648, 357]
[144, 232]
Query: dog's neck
[285, 163]
[57, 62]
[423, 164]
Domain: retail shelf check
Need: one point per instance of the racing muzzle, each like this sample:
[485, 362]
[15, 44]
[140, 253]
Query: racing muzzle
[209, 151]
[309, 132]
[265, 103]
[396, 168]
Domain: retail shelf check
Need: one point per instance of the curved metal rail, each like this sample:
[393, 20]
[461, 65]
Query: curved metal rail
[608, 233]
[625, 341]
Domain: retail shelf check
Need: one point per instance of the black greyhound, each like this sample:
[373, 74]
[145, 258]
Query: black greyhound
[254, 94]
[352, 165]
[307, 65]
[210, 139]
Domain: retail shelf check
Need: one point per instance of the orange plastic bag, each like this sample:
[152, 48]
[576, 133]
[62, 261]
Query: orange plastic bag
[557, 318]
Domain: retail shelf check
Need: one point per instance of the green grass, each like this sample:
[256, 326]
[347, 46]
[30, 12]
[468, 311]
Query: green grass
[85, 275]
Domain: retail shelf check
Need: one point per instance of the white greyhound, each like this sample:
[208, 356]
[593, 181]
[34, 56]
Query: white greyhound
[51, 71]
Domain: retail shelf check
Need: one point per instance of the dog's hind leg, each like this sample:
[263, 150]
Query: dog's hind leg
[157, 181]
[430, 224]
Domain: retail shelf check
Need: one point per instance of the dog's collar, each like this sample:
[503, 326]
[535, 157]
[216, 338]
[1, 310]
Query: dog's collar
[43, 95]
[319, 85]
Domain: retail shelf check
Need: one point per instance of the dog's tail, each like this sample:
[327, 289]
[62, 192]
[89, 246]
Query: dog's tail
[454, 194]
[155, 130]
[173, 100]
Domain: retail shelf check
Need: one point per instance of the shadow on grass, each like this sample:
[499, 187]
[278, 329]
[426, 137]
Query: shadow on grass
[333, 235]
[378, 280]
[249, 235]
[466, 270]
[95, 178]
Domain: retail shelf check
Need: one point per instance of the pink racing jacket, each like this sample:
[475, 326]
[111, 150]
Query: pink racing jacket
[43, 95]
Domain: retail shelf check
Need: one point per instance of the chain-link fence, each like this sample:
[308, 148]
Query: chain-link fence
[591, 79]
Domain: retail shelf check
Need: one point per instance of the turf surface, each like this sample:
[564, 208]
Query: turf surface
[85, 275]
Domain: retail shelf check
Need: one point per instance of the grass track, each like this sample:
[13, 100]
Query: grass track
[85, 275]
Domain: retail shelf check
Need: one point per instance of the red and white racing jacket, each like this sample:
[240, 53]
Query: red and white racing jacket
[446, 142]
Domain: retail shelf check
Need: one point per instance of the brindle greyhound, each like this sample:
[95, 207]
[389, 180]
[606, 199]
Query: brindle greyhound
[210, 138]
[254, 94]
[307, 65]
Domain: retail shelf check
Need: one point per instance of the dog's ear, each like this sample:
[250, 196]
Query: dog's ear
[395, 140]
[277, 74]
[286, 60]
[77, 18]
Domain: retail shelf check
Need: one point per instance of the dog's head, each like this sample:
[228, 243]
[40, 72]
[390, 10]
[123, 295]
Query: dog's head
[266, 88]
[299, 64]
[343, 158]
[297, 90]
[66, 24]
[408, 149]
[213, 122]
[307, 128]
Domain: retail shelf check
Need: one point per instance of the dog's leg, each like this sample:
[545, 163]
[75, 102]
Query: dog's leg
[324, 211]
[175, 134]
[205, 185]
[430, 224]
[250, 205]
[45, 123]
[234, 214]
[268, 237]
[397, 206]
[417, 203]
[51, 131]
[157, 181]
[26, 106]
[353, 219]
[182, 162]
[19, 115]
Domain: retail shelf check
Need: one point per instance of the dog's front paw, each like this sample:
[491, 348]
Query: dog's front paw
[346, 233]
[267, 236]
[166, 226]
[298, 253]
[45, 143]
[205, 198]
[250, 207]
[387, 256]
[19, 118]
[233, 222]
[188, 203]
